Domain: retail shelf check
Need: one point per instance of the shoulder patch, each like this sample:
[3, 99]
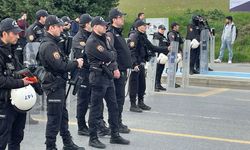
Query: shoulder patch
[100, 48]
[132, 44]
[31, 37]
[56, 55]
[82, 43]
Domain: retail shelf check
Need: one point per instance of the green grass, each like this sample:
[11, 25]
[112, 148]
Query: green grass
[176, 10]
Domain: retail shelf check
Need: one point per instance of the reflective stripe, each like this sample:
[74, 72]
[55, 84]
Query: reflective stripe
[2, 116]
[55, 100]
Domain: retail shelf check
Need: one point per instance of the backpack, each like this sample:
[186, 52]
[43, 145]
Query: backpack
[237, 31]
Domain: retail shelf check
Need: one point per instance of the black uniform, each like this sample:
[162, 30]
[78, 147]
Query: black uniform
[35, 32]
[124, 62]
[83, 95]
[140, 48]
[193, 32]
[12, 122]
[160, 67]
[101, 59]
[54, 86]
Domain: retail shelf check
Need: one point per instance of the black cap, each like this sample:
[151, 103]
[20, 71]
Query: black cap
[85, 18]
[99, 21]
[139, 23]
[162, 27]
[229, 18]
[9, 25]
[53, 20]
[114, 12]
[41, 13]
[65, 19]
[174, 24]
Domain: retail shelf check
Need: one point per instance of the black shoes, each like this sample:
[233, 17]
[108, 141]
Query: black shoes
[119, 140]
[94, 142]
[123, 128]
[177, 86]
[135, 108]
[143, 106]
[71, 146]
[83, 131]
[159, 88]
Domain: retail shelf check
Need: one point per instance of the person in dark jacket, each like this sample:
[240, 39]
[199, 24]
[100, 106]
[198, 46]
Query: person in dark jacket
[12, 122]
[123, 60]
[54, 85]
[141, 48]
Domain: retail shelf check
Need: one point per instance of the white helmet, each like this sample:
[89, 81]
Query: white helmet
[194, 44]
[23, 98]
[162, 59]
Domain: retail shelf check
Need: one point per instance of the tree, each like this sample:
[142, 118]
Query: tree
[71, 8]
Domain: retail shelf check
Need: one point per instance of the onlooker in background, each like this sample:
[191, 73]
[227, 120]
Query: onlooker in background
[227, 39]
[23, 24]
[140, 16]
[75, 26]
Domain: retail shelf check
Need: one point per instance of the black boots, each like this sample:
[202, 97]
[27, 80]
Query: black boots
[123, 128]
[143, 106]
[83, 129]
[117, 139]
[135, 108]
[70, 145]
[94, 142]
[159, 88]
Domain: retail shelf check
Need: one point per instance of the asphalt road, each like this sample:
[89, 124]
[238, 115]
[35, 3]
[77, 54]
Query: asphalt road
[181, 119]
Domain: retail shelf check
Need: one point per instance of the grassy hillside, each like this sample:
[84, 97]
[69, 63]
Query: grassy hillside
[182, 10]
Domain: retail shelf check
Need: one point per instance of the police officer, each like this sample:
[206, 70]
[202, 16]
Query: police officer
[193, 32]
[160, 67]
[140, 48]
[103, 69]
[35, 32]
[83, 95]
[140, 16]
[54, 84]
[12, 122]
[66, 39]
[174, 35]
[123, 59]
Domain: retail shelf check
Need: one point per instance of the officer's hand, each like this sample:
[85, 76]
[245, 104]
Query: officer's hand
[117, 74]
[136, 69]
[26, 81]
[80, 62]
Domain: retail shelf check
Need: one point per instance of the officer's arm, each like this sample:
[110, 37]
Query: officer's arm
[190, 33]
[57, 63]
[132, 44]
[98, 51]
[159, 49]
[8, 82]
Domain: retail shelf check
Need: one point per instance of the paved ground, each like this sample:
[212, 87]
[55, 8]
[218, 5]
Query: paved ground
[181, 119]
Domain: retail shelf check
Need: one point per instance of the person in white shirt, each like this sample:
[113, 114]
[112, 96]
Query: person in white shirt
[228, 38]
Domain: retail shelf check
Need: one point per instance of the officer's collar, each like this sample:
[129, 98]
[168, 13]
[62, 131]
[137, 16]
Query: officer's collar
[118, 30]
[83, 31]
[55, 39]
[39, 24]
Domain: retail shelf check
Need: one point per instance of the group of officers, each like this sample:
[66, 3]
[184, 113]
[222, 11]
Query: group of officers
[101, 60]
